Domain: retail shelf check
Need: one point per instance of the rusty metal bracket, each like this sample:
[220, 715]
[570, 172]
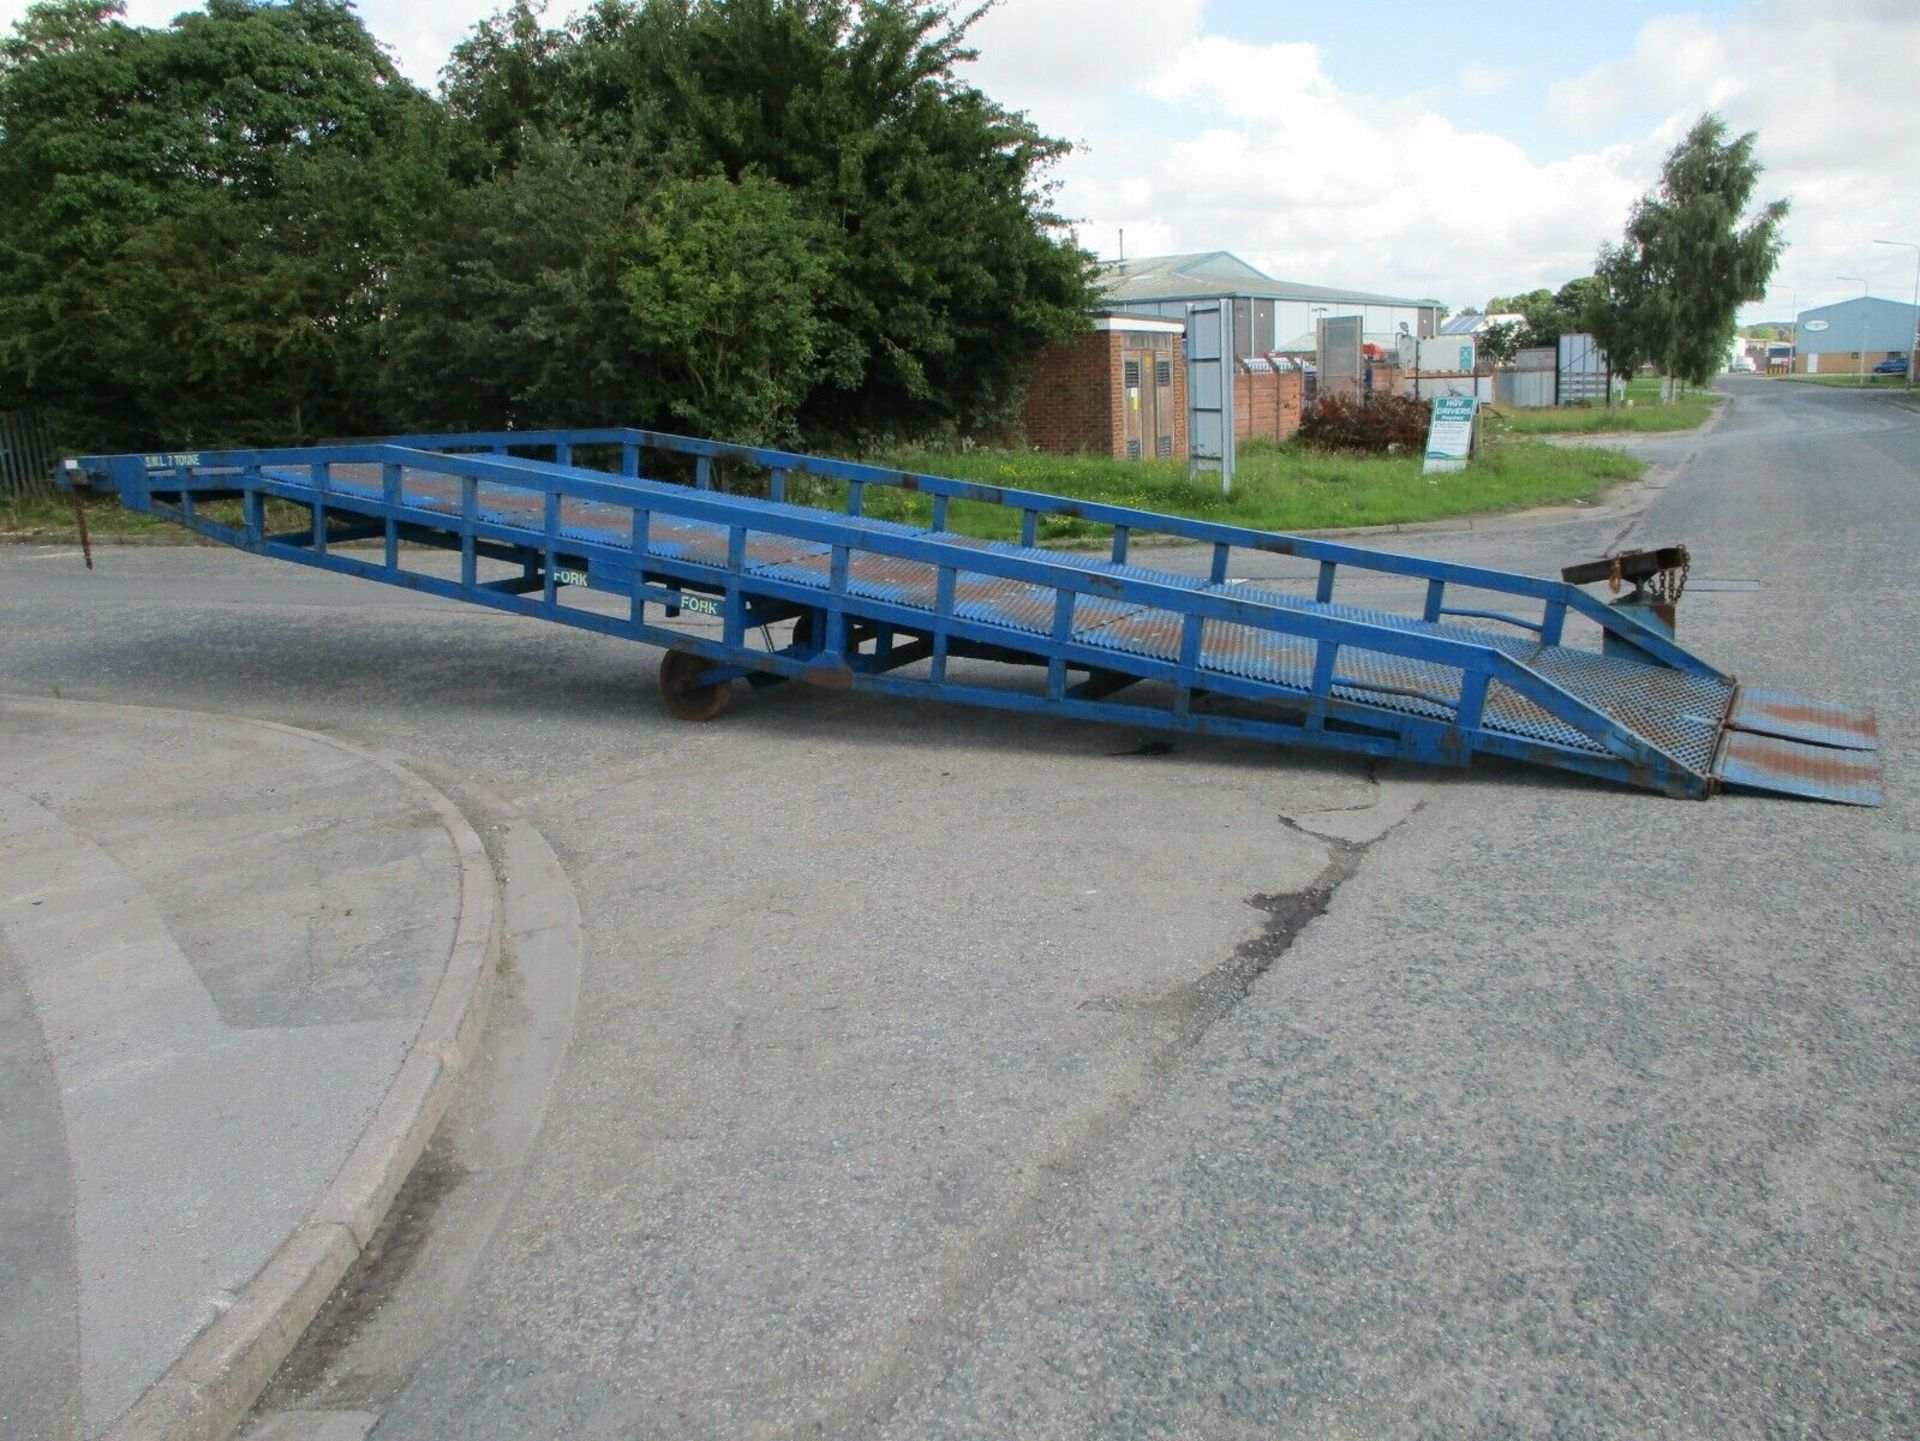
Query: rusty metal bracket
[1637, 566]
[80, 524]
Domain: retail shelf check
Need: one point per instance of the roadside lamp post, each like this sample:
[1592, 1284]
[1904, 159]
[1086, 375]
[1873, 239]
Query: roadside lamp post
[1860, 355]
[1913, 341]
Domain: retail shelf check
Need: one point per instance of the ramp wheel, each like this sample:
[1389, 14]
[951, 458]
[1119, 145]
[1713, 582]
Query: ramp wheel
[686, 701]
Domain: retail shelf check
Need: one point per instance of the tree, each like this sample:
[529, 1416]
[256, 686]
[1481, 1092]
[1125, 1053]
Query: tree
[1575, 301]
[723, 278]
[1500, 342]
[508, 308]
[198, 217]
[1690, 257]
[1620, 316]
[947, 269]
[247, 226]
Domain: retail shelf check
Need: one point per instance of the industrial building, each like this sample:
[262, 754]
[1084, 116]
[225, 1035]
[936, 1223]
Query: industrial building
[1120, 389]
[1266, 312]
[1852, 335]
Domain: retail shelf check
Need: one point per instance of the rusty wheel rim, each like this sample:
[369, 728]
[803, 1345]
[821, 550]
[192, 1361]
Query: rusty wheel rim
[685, 700]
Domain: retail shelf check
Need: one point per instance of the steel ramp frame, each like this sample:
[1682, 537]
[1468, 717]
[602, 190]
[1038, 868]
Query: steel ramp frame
[881, 596]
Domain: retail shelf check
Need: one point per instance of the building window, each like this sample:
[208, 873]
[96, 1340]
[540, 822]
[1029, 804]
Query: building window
[1163, 372]
[1163, 447]
[1133, 450]
[1132, 370]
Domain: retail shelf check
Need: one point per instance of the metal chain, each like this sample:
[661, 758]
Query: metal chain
[1668, 585]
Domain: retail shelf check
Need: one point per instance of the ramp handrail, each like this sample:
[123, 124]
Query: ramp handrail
[1483, 663]
[1556, 595]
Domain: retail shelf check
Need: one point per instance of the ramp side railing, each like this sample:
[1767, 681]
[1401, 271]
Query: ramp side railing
[1557, 599]
[177, 486]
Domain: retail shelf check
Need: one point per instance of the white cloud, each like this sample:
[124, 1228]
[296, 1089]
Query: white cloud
[1074, 65]
[1479, 79]
[1200, 142]
[1676, 59]
[1828, 88]
[1193, 141]
[1255, 149]
[421, 33]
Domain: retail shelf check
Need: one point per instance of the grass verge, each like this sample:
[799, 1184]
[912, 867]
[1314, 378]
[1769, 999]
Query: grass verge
[1643, 412]
[1285, 488]
[50, 518]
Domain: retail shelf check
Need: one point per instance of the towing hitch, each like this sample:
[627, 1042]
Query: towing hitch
[1658, 577]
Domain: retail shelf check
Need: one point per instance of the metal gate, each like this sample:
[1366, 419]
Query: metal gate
[27, 455]
[1339, 354]
[1584, 373]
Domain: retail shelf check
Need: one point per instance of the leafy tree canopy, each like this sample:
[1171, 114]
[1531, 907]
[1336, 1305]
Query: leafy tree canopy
[721, 277]
[1500, 342]
[247, 226]
[943, 269]
[1691, 256]
[197, 217]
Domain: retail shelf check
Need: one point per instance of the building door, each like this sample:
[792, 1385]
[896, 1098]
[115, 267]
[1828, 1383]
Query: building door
[1136, 399]
[1162, 431]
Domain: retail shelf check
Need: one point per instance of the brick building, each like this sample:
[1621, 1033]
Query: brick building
[1119, 389]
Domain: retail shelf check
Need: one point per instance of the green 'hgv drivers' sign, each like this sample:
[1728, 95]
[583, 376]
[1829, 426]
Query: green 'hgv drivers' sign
[1450, 436]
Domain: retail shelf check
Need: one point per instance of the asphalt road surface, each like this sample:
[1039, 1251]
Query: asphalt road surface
[940, 1074]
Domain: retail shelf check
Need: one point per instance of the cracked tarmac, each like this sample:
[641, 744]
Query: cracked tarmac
[935, 1076]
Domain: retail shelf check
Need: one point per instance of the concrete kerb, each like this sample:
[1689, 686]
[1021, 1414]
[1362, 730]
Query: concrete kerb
[211, 1386]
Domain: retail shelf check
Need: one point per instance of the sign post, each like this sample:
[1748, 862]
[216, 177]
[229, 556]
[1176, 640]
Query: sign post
[1450, 435]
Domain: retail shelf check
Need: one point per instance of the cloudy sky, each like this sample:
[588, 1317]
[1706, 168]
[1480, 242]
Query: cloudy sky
[1455, 151]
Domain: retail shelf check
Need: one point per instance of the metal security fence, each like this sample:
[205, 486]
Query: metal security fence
[27, 455]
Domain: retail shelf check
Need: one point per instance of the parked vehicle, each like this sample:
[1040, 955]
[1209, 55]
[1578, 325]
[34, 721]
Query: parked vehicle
[1892, 365]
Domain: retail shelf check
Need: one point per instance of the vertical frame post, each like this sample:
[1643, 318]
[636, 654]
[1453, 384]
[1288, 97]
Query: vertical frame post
[1210, 440]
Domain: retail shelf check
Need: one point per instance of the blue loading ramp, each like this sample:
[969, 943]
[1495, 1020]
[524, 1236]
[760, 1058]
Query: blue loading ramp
[869, 604]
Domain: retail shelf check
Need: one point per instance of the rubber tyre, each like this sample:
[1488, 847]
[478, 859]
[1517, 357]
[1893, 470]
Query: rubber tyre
[685, 701]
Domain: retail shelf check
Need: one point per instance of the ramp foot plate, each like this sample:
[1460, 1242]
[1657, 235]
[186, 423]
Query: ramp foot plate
[1796, 718]
[1794, 768]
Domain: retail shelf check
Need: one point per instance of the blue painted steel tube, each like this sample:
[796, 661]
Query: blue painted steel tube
[1556, 593]
[827, 529]
[618, 561]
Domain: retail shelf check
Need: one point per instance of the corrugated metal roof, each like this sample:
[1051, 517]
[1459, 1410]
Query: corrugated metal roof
[1865, 322]
[1209, 274]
